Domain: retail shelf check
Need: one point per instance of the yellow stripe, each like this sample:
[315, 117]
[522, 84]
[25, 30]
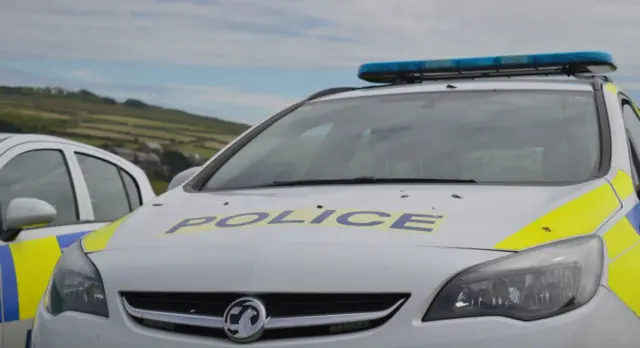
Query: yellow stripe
[623, 184]
[98, 239]
[34, 261]
[620, 237]
[580, 216]
[624, 278]
[611, 88]
[35, 225]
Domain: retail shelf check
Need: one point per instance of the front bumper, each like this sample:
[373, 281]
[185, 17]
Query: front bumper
[603, 322]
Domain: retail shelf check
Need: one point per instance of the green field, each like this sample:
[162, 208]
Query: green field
[102, 121]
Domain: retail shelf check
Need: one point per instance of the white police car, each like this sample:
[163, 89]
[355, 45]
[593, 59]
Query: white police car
[53, 191]
[466, 211]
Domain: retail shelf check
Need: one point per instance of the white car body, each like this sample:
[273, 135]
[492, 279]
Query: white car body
[407, 242]
[28, 260]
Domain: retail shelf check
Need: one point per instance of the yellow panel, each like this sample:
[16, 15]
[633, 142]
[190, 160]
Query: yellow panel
[624, 278]
[620, 237]
[611, 88]
[580, 216]
[98, 239]
[623, 185]
[424, 222]
[34, 261]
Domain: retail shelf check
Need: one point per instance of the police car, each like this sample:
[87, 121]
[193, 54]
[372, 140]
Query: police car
[53, 191]
[486, 202]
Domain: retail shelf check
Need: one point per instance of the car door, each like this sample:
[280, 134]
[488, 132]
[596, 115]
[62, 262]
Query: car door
[113, 189]
[86, 188]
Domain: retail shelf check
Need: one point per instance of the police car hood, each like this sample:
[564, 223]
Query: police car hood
[463, 216]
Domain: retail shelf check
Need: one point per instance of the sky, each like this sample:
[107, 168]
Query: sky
[244, 60]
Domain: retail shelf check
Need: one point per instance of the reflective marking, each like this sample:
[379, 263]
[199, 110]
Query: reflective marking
[580, 216]
[634, 217]
[611, 88]
[345, 219]
[257, 217]
[620, 237]
[280, 219]
[192, 222]
[9, 285]
[34, 261]
[98, 239]
[623, 184]
[624, 278]
[415, 222]
[322, 217]
[401, 223]
[34, 226]
[65, 240]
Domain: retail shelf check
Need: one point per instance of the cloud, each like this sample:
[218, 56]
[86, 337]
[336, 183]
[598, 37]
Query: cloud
[311, 33]
[86, 75]
[308, 34]
[222, 95]
[15, 77]
[205, 100]
[222, 102]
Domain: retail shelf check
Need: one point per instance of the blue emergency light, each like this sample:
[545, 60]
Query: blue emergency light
[567, 63]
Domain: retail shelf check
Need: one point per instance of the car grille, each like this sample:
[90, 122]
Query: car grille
[332, 313]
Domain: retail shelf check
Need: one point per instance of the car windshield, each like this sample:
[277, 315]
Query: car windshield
[508, 137]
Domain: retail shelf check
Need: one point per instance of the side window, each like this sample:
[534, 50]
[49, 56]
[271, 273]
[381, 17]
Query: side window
[41, 174]
[632, 124]
[133, 192]
[106, 188]
[635, 162]
[631, 121]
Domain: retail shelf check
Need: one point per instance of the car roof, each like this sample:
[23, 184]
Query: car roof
[569, 84]
[31, 137]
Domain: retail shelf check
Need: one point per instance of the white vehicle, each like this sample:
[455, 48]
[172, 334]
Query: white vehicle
[52, 192]
[466, 211]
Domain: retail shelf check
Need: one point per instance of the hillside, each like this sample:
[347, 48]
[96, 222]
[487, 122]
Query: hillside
[108, 123]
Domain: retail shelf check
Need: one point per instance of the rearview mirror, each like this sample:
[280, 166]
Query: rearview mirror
[182, 177]
[26, 212]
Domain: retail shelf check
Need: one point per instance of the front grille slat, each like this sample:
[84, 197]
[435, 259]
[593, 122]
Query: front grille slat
[283, 307]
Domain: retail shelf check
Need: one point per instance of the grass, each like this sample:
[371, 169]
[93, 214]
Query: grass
[44, 114]
[87, 140]
[95, 120]
[159, 186]
[212, 136]
[132, 121]
[139, 132]
[204, 153]
[226, 138]
[90, 132]
[216, 145]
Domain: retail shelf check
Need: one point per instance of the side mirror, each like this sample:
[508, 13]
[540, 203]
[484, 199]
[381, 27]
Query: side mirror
[25, 212]
[182, 177]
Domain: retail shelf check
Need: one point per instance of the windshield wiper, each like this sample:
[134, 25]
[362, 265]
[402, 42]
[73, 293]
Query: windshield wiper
[371, 180]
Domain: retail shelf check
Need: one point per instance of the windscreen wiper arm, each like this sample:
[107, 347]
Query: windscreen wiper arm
[371, 180]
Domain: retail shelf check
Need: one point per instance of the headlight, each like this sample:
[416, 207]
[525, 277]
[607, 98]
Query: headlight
[529, 285]
[76, 285]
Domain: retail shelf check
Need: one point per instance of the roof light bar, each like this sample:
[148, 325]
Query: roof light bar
[567, 63]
